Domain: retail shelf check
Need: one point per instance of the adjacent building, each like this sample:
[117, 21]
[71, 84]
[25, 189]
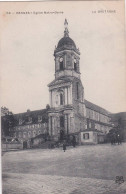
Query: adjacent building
[29, 124]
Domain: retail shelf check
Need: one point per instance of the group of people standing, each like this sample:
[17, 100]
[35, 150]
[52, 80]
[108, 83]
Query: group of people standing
[116, 138]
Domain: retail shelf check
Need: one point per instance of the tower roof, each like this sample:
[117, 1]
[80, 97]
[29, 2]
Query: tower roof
[66, 42]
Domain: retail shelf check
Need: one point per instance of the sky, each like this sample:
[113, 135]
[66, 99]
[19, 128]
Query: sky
[27, 47]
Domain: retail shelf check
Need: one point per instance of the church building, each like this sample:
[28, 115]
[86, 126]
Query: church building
[70, 115]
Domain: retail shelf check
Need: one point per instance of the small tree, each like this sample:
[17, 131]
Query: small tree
[47, 107]
[7, 122]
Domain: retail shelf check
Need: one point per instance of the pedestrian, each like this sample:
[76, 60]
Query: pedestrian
[119, 139]
[64, 146]
[74, 141]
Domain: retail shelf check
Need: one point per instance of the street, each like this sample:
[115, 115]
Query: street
[81, 170]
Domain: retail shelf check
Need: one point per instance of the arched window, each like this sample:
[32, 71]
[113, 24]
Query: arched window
[75, 65]
[61, 99]
[20, 134]
[29, 134]
[62, 121]
[20, 121]
[77, 89]
[61, 64]
[34, 133]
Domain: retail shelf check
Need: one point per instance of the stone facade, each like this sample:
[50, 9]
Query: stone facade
[66, 115]
[70, 114]
[97, 118]
[30, 124]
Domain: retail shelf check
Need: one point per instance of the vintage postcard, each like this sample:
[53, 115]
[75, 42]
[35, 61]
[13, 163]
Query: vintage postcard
[63, 97]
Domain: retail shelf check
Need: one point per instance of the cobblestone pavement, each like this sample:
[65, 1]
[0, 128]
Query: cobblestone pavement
[84, 170]
[47, 184]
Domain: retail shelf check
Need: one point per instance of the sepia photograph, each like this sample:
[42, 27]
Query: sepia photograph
[63, 97]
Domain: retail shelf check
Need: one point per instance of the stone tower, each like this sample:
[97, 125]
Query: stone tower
[67, 109]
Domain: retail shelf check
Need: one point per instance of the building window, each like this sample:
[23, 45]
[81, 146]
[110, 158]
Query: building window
[56, 99]
[29, 119]
[24, 135]
[89, 124]
[86, 136]
[75, 65]
[29, 134]
[77, 89]
[61, 121]
[96, 116]
[95, 126]
[61, 64]
[91, 114]
[61, 99]
[39, 118]
[87, 112]
[20, 121]
[34, 133]
[20, 135]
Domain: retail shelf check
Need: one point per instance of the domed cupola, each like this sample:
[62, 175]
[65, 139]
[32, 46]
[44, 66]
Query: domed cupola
[66, 42]
[66, 56]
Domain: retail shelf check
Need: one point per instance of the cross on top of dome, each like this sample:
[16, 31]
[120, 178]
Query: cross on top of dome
[66, 31]
[66, 42]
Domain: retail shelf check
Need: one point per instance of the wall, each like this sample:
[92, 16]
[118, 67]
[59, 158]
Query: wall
[101, 138]
[8, 146]
[68, 64]
[96, 120]
[92, 114]
[29, 131]
[66, 91]
[92, 138]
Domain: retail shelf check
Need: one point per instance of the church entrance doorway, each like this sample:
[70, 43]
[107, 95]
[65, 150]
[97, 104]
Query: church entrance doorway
[61, 134]
[62, 128]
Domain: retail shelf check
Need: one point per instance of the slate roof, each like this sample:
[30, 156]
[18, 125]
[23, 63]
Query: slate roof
[33, 114]
[61, 80]
[96, 108]
[66, 41]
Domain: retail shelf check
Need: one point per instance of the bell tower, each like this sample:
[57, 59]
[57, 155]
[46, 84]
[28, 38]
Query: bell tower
[67, 109]
[66, 56]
